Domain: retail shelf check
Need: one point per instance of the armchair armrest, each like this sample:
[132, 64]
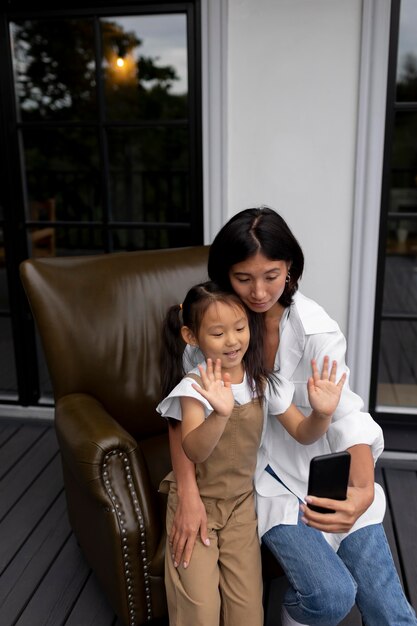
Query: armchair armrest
[111, 505]
[86, 433]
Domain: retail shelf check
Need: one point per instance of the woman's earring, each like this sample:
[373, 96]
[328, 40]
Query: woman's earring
[288, 278]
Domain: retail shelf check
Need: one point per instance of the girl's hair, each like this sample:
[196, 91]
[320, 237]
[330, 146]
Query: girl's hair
[191, 314]
[251, 231]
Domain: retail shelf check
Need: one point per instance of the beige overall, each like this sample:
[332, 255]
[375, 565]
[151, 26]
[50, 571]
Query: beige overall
[222, 585]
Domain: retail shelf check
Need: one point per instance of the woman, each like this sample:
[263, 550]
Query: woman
[331, 560]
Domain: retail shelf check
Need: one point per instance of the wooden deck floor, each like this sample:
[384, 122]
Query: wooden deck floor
[44, 579]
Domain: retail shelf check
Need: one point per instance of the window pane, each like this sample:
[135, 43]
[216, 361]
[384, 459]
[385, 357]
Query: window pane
[8, 382]
[54, 66]
[63, 164]
[65, 241]
[150, 238]
[4, 293]
[401, 238]
[2, 250]
[404, 148]
[149, 178]
[145, 67]
[397, 363]
[407, 53]
[79, 241]
[402, 230]
[400, 288]
[397, 375]
[45, 385]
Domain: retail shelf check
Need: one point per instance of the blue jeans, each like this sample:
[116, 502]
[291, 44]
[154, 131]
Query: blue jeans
[324, 585]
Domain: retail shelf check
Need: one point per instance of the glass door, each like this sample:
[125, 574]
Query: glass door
[394, 385]
[102, 144]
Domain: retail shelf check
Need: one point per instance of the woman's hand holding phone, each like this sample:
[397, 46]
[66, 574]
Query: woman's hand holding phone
[359, 496]
[346, 512]
[339, 521]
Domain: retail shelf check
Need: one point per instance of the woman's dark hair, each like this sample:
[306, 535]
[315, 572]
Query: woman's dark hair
[251, 231]
[191, 314]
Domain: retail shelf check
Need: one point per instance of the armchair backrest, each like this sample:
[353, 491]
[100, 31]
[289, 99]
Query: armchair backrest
[99, 319]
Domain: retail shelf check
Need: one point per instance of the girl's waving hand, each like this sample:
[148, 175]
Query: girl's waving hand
[216, 388]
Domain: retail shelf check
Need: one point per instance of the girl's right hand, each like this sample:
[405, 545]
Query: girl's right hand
[190, 519]
[216, 388]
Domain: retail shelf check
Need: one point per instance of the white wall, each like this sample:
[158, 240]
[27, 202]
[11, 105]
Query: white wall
[293, 76]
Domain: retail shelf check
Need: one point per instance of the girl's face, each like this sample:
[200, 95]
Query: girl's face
[223, 334]
[259, 282]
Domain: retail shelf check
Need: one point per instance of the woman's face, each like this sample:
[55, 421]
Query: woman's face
[259, 282]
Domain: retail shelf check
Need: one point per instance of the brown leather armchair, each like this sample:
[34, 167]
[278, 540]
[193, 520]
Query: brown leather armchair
[99, 320]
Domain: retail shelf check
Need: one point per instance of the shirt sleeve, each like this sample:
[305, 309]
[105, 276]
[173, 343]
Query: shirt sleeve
[191, 358]
[350, 425]
[171, 405]
[279, 395]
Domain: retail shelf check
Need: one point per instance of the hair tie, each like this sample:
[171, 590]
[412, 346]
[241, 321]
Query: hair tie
[180, 305]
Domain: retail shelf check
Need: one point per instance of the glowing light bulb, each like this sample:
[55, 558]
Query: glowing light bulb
[120, 62]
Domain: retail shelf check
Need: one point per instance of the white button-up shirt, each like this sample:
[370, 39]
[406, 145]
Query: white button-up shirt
[308, 332]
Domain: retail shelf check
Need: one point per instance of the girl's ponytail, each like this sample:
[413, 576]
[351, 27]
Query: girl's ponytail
[172, 350]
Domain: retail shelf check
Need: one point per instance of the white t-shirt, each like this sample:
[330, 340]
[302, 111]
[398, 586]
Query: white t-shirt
[276, 400]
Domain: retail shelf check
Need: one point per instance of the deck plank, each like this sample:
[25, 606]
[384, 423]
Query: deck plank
[21, 579]
[59, 589]
[7, 431]
[402, 493]
[17, 445]
[25, 471]
[91, 608]
[28, 511]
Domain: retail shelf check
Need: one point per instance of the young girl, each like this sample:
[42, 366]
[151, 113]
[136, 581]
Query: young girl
[220, 408]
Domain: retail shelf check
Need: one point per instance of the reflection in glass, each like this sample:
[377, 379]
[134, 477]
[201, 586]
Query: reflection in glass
[80, 241]
[63, 164]
[400, 288]
[402, 229]
[150, 238]
[402, 236]
[2, 248]
[145, 67]
[397, 369]
[402, 224]
[407, 53]
[4, 292]
[397, 375]
[148, 174]
[8, 381]
[41, 238]
[54, 67]
[45, 385]
[404, 148]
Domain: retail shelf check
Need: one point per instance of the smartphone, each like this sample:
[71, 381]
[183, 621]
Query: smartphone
[328, 478]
